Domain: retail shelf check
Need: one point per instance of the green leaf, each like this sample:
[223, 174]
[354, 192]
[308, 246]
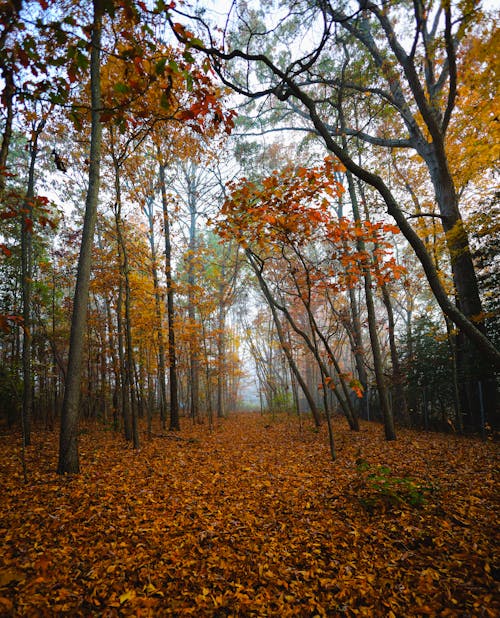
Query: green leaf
[165, 101]
[160, 66]
[174, 66]
[121, 88]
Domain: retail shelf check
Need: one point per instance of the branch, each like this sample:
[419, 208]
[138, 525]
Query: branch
[452, 65]
[410, 72]
[423, 214]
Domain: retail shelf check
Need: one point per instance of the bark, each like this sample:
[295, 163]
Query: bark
[194, 369]
[27, 275]
[8, 102]
[68, 441]
[159, 320]
[172, 355]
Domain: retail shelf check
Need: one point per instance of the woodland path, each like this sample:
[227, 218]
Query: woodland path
[252, 519]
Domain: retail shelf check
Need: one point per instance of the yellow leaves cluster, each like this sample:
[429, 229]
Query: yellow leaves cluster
[252, 519]
[473, 141]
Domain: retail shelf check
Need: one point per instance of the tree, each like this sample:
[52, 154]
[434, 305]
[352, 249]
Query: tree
[149, 212]
[279, 221]
[27, 216]
[68, 443]
[172, 353]
[416, 81]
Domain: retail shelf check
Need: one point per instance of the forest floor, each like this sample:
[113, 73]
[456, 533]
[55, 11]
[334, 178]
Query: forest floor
[251, 519]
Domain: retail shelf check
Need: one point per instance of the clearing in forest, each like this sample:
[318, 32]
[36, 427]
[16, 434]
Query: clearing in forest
[251, 519]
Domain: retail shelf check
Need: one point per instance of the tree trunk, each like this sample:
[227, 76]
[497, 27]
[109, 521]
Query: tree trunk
[471, 366]
[124, 390]
[347, 410]
[68, 442]
[399, 399]
[130, 349]
[158, 315]
[8, 102]
[172, 355]
[355, 333]
[221, 352]
[291, 361]
[390, 432]
[27, 275]
[194, 370]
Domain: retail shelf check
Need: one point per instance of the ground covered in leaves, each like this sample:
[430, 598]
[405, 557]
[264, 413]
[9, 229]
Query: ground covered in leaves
[251, 519]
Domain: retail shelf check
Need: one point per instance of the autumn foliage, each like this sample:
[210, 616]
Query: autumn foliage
[251, 519]
[296, 207]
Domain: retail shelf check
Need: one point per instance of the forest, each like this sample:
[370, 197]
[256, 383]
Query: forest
[249, 308]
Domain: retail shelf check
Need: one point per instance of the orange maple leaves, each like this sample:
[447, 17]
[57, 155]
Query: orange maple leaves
[295, 207]
[289, 204]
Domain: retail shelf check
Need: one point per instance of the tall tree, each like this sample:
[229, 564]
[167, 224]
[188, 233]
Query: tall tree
[27, 217]
[68, 442]
[172, 351]
[149, 212]
[413, 75]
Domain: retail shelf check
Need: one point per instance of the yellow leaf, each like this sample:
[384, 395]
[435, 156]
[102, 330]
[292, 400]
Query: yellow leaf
[127, 596]
[9, 576]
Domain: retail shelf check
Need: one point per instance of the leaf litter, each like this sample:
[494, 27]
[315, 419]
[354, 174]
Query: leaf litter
[252, 519]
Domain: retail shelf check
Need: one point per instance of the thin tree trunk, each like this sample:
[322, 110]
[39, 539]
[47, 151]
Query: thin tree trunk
[345, 401]
[221, 352]
[110, 344]
[159, 320]
[124, 369]
[8, 102]
[355, 333]
[389, 429]
[130, 351]
[291, 361]
[310, 344]
[399, 401]
[194, 371]
[172, 356]
[129, 365]
[456, 390]
[68, 442]
[27, 275]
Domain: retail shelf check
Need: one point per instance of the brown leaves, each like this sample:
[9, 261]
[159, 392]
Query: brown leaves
[251, 519]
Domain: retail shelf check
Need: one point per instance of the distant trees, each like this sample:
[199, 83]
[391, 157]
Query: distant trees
[131, 86]
[133, 305]
[368, 80]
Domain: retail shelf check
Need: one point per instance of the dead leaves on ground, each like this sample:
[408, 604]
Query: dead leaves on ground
[252, 519]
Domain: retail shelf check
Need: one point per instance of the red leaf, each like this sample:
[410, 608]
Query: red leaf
[5, 250]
